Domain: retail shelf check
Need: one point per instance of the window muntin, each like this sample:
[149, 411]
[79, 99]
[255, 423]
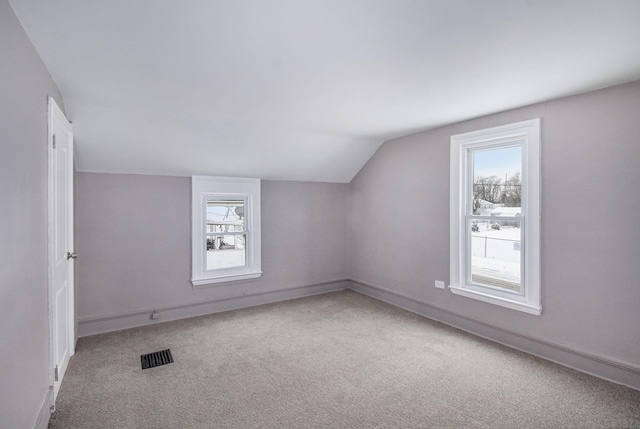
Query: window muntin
[225, 229]
[495, 221]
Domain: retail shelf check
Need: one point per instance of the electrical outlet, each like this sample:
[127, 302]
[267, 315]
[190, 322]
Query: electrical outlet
[439, 284]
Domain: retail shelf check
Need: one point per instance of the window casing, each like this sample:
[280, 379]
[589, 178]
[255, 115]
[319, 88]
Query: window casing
[225, 229]
[495, 223]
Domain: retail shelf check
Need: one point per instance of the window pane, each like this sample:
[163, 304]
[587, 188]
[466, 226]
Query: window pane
[226, 251]
[495, 253]
[497, 187]
[225, 216]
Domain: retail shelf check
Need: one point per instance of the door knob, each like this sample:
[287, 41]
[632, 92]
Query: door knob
[71, 255]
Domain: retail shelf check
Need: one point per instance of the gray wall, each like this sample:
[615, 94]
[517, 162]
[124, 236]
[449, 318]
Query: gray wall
[25, 85]
[133, 238]
[399, 228]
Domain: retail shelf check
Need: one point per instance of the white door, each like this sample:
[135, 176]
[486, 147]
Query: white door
[61, 256]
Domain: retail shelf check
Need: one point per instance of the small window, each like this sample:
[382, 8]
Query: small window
[495, 212]
[225, 229]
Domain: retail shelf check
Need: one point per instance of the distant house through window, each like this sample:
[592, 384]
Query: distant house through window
[495, 212]
[225, 229]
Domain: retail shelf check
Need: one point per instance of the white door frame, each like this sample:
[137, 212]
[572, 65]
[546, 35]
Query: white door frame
[56, 115]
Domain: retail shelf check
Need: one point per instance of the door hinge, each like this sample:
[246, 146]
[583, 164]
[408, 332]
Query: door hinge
[56, 373]
[54, 141]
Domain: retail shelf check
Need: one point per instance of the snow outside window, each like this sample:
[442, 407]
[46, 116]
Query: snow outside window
[225, 229]
[495, 215]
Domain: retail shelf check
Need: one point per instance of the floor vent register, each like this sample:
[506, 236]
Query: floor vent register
[154, 359]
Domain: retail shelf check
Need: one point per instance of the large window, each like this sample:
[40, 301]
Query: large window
[225, 229]
[495, 215]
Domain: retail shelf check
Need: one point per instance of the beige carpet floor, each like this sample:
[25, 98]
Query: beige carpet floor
[338, 360]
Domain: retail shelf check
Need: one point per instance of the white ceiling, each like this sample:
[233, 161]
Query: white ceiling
[308, 90]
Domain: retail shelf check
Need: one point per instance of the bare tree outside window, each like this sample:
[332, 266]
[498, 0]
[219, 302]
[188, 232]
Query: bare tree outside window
[494, 190]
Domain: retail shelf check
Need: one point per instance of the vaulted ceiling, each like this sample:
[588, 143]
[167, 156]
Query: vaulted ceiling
[308, 90]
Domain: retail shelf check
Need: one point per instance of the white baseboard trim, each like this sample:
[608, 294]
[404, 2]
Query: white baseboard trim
[42, 422]
[599, 366]
[115, 322]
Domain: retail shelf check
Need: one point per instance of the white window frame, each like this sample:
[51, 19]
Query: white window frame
[205, 188]
[526, 134]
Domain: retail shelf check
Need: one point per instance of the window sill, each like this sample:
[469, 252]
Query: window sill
[514, 305]
[204, 282]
